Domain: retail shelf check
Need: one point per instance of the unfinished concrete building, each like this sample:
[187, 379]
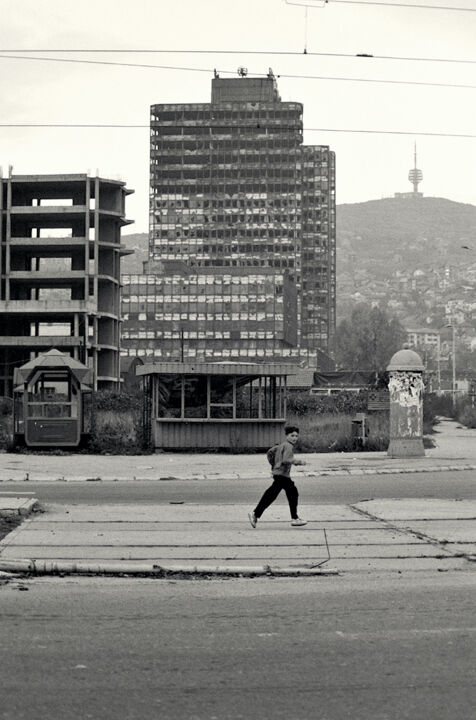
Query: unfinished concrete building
[60, 257]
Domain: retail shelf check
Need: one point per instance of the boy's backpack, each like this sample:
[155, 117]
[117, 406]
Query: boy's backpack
[271, 454]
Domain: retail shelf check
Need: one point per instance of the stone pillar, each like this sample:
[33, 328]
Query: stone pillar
[406, 404]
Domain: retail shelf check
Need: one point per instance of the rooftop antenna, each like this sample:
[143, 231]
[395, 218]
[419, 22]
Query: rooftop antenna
[415, 175]
[305, 30]
[303, 3]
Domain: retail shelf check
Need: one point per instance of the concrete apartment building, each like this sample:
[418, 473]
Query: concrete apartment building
[60, 256]
[242, 233]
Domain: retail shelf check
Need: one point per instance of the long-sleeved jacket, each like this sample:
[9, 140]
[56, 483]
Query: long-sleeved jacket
[283, 460]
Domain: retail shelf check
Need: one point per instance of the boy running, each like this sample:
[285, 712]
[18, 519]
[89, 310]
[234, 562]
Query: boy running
[281, 471]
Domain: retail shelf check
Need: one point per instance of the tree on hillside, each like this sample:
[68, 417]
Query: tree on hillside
[465, 360]
[368, 339]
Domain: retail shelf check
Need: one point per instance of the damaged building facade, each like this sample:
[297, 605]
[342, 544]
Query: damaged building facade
[242, 233]
[60, 251]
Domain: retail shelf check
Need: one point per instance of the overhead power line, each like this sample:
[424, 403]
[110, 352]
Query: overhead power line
[130, 51]
[233, 72]
[377, 80]
[310, 4]
[110, 62]
[147, 127]
[391, 132]
[403, 5]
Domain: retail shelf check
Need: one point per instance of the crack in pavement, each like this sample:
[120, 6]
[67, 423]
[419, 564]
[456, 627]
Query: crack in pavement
[408, 531]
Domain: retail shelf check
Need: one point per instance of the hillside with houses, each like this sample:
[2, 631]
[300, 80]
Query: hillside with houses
[413, 257]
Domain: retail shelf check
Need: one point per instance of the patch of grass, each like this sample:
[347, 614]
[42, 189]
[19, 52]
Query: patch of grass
[322, 433]
[9, 523]
[333, 433]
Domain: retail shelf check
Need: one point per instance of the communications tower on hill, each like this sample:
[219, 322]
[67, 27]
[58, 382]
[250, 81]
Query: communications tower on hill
[415, 176]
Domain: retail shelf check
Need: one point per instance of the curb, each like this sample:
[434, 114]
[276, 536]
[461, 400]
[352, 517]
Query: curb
[52, 567]
[325, 472]
[23, 509]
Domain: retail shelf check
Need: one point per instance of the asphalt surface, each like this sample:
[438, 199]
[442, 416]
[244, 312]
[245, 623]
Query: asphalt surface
[339, 489]
[335, 648]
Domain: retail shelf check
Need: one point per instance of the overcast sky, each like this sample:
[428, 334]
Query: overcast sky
[369, 166]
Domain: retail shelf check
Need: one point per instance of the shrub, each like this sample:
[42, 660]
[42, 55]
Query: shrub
[115, 433]
[117, 423]
[118, 401]
[5, 435]
[462, 411]
[467, 416]
[301, 404]
[6, 423]
[434, 405]
[6, 406]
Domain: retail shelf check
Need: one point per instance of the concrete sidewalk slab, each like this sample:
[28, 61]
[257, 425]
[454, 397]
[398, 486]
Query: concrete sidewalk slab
[451, 524]
[418, 508]
[275, 556]
[203, 536]
[220, 536]
[189, 512]
[124, 526]
[447, 532]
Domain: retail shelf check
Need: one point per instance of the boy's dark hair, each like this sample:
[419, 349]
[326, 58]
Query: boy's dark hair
[290, 429]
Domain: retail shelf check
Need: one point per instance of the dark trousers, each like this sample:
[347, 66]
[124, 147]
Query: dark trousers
[280, 482]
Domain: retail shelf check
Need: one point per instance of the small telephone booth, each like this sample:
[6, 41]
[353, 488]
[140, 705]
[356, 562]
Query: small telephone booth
[52, 405]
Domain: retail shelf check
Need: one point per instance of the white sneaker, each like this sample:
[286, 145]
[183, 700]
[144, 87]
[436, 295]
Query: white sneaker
[253, 519]
[298, 522]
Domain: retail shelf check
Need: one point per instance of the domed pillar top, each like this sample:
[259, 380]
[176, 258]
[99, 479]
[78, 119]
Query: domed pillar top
[406, 360]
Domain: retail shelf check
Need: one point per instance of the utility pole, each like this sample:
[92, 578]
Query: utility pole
[438, 362]
[454, 366]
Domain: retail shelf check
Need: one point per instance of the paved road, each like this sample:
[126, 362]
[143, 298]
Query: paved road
[338, 648]
[341, 490]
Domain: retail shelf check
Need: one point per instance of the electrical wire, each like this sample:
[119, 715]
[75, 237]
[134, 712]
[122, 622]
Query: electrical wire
[100, 126]
[130, 51]
[391, 132]
[72, 125]
[110, 62]
[403, 5]
[376, 80]
[381, 3]
[233, 72]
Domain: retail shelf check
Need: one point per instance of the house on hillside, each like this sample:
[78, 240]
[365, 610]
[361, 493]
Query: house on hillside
[423, 338]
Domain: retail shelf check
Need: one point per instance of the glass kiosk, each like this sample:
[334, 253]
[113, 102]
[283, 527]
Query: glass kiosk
[52, 401]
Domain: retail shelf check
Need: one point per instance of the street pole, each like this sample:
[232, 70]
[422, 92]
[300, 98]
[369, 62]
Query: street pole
[438, 362]
[454, 367]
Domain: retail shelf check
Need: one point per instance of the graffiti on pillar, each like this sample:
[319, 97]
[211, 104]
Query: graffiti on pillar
[406, 387]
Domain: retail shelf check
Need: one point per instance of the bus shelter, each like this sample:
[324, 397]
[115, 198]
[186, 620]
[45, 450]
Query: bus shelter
[219, 406]
[52, 401]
